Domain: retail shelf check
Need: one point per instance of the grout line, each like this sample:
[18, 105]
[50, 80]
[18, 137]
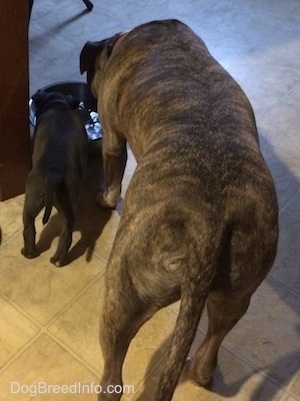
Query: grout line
[291, 384]
[244, 360]
[44, 327]
[20, 351]
[280, 100]
[57, 341]
[266, 35]
[288, 204]
[10, 237]
[283, 286]
[22, 312]
[291, 213]
[73, 300]
[74, 354]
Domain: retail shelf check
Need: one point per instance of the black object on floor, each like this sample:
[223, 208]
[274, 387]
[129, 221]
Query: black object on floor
[88, 3]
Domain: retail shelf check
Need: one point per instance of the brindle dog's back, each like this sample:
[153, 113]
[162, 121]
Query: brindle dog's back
[167, 73]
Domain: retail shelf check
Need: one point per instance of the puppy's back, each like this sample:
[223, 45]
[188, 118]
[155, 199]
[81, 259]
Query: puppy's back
[58, 135]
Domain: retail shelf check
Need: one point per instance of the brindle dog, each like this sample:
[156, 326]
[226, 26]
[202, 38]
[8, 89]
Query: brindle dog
[200, 214]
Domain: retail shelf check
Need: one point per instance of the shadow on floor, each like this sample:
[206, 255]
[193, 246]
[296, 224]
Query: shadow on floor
[90, 220]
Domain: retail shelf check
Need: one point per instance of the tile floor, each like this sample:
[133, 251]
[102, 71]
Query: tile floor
[49, 316]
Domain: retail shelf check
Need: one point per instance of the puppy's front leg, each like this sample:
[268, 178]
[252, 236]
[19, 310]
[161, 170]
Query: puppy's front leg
[114, 155]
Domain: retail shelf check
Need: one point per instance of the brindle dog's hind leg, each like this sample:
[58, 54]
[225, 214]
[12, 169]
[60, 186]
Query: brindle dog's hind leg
[122, 315]
[224, 309]
[242, 271]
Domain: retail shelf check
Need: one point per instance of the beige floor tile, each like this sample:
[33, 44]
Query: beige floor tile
[185, 390]
[96, 227]
[130, 167]
[288, 397]
[295, 385]
[102, 247]
[47, 362]
[259, 361]
[256, 387]
[266, 338]
[93, 223]
[149, 346]
[38, 287]
[77, 328]
[16, 331]
[268, 335]
[233, 380]
[10, 218]
[286, 267]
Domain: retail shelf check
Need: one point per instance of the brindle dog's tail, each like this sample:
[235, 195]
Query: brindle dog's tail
[195, 287]
[51, 184]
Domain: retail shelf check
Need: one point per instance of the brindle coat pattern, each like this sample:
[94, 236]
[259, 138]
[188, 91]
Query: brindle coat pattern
[199, 221]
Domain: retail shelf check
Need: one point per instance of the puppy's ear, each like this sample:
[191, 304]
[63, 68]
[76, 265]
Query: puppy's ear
[73, 102]
[39, 97]
[89, 53]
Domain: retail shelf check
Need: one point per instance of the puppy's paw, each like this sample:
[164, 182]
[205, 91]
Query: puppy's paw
[58, 262]
[105, 200]
[30, 254]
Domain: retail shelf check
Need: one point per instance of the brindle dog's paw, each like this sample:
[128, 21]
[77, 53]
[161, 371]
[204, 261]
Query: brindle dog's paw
[34, 253]
[186, 374]
[202, 376]
[188, 363]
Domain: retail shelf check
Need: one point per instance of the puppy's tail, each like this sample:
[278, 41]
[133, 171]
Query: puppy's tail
[195, 288]
[51, 184]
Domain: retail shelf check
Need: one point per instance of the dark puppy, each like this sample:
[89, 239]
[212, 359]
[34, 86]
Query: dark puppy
[200, 214]
[59, 161]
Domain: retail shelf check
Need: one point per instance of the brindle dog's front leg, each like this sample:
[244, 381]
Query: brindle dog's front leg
[114, 155]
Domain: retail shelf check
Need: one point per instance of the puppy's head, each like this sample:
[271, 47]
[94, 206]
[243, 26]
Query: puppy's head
[45, 100]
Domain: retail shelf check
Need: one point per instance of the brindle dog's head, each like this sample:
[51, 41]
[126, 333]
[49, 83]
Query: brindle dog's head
[88, 58]
[93, 56]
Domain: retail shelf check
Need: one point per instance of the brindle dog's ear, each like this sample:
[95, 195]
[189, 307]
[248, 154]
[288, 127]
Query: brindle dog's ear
[89, 53]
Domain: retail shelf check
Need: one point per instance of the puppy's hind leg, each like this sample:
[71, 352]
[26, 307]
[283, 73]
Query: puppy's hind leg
[66, 205]
[59, 259]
